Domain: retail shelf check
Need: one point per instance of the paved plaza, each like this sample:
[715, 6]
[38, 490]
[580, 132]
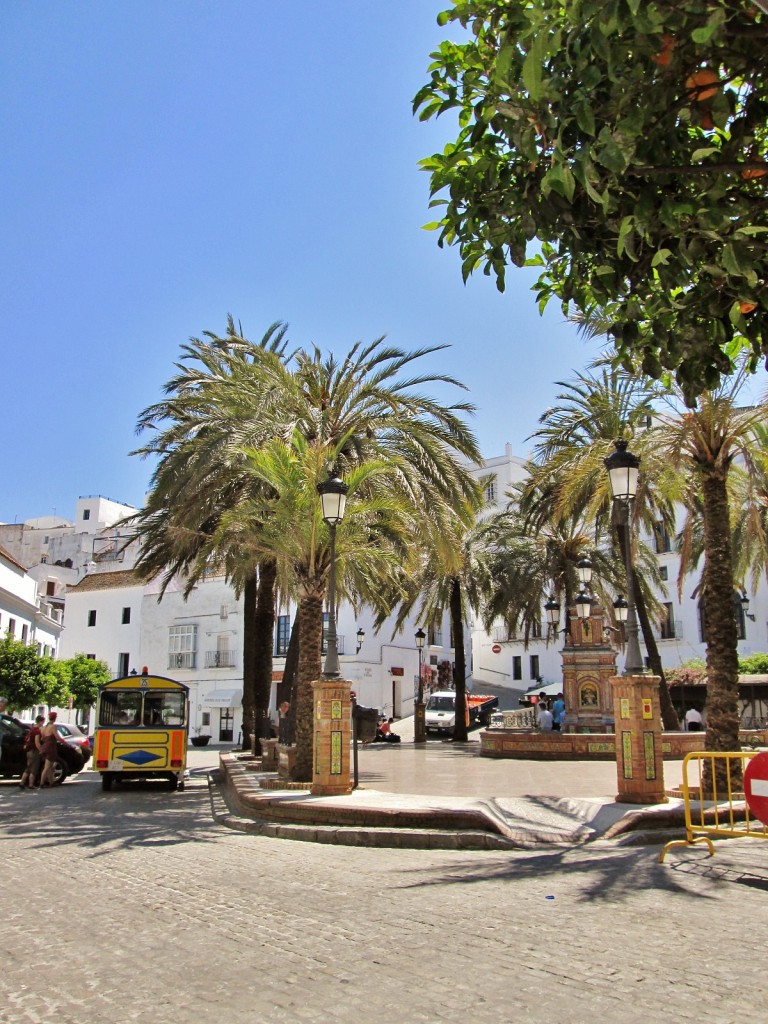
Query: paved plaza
[135, 906]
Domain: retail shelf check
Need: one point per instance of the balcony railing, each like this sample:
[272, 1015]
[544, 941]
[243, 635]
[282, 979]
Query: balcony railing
[219, 659]
[185, 660]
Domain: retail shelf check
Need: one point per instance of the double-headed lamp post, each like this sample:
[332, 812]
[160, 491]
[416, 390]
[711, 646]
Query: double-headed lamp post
[419, 722]
[333, 499]
[623, 472]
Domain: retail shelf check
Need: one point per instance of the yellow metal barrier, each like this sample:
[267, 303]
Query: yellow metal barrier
[726, 813]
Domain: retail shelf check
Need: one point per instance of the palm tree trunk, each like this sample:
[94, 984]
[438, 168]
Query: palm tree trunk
[722, 702]
[264, 626]
[249, 660]
[460, 732]
[286, 689]
[310, 622]
[669, 717]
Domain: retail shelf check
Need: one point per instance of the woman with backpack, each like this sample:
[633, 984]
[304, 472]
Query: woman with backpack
[32, 745]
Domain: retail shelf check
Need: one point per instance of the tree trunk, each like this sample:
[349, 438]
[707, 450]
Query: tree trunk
[310, 622]
[249, 660]
[286, 688]
[265, 630]
[722, 701]
[460, 731]
[669, 717]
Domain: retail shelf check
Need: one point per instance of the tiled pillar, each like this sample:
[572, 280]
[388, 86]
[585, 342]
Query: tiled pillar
[639, 765]
[332, 735]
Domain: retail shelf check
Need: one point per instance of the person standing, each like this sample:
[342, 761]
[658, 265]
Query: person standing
[558, 712]
[32, 744]
[545, 716]
[49, 741]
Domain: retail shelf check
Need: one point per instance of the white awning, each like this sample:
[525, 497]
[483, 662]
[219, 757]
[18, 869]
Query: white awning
[223, 699]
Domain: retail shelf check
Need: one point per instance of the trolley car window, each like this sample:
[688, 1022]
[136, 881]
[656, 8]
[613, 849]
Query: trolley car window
[132, 707]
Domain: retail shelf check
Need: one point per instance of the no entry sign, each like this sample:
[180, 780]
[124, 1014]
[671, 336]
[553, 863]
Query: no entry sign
[756, 786]
[496, 649]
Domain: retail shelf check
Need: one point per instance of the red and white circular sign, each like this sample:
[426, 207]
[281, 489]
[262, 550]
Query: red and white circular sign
[496, 649]
[756, 786]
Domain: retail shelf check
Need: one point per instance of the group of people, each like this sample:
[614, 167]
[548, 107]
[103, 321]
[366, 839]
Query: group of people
[550, 713]
[40, 746]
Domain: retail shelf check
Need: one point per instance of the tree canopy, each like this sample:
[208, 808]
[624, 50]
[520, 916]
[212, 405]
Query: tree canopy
[622, 146]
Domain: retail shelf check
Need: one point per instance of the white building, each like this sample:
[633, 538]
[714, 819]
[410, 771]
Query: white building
[23, 613]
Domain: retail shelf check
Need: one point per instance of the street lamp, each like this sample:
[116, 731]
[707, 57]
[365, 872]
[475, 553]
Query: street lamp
[360, 637]
[552, 612]
[584, 570]
[419, 723]
[333, 499]
[623, 473]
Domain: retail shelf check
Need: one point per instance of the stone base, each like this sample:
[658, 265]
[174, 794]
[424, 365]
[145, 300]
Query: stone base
[269, 759]
[286, 758]
[593, 746]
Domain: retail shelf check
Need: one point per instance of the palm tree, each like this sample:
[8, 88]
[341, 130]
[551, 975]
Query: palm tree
[363, 408]
[568, 479]
[214, 405]
[283, 523]
[446, 570]
[706, 442]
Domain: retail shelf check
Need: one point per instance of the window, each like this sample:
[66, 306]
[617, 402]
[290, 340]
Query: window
[661, 538]
[205, 719]
[326, 620]
[517, 667]
[126, 616]
[534, 666]
[92, 617]
[50, 588]
[133, 707]
[663, 572]
[282, 635]
[182, 646]
[24, 633]
[12, 627]
[668, 622]
[123, 662]
[86, 514]
[490, 490]
[435, 637]
[536, 630]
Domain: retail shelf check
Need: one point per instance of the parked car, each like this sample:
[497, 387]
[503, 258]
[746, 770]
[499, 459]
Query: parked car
[13, 759]
[75, 737]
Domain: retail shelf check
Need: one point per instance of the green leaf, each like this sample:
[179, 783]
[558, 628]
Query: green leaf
[625, 232]
[700, 154]
[533, 67]
[661, 257]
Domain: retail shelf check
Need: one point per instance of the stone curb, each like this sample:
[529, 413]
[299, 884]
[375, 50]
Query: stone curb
[223, 796]
[282, 817]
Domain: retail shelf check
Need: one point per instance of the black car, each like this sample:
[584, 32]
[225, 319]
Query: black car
[13, 759]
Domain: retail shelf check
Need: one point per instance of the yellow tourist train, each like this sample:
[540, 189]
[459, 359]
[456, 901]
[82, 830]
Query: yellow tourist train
[142, 728]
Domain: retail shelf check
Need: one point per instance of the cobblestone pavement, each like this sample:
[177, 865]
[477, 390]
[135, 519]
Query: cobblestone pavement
[134, 906]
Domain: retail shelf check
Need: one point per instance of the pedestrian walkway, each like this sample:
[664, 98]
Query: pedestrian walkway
[444, 795]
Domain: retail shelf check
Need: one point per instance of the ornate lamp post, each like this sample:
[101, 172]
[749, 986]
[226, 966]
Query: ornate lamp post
[360, 637]
[552, 612]
[333, 498]
[623, 473]
[419, 722]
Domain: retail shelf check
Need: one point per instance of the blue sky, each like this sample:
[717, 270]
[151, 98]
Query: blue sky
[166, 163]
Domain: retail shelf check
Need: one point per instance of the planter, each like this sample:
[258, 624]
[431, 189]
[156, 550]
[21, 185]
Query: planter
[201, 741]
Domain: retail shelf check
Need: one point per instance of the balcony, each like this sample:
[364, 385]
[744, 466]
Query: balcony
[185, 660]
[219, 659]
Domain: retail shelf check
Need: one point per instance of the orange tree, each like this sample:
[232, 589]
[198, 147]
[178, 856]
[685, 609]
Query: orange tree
[621, 145]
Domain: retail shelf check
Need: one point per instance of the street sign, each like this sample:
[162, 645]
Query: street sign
[756, 786]
[496, 648]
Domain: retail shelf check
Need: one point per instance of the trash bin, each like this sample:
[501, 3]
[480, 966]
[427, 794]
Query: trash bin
[366, 723]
